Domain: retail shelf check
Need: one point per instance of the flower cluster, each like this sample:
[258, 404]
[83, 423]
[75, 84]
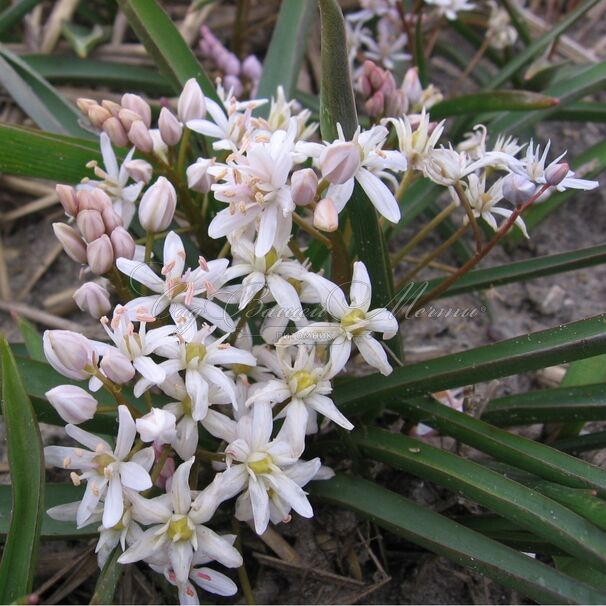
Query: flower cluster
[219, 362]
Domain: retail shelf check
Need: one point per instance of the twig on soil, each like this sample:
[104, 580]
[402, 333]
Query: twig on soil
[41, 269]
[280, 546]
[5, 286]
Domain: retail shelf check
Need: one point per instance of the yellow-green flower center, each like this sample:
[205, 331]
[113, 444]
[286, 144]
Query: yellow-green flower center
[271, 257]
[303, 380]
[187, 406]
[262, 465]
[241, 369]
[193, 351]
[101, 461]
[351, 319]
[296, 284]
[179, 529]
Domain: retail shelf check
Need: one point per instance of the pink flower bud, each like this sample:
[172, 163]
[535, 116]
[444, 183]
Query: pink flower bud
[198, 178]
[93, 299]
[117, 367]
[339, 162]
[252, 68]
[170, 127]
[74, 404]
[98, 115]
[518, 189]
[139, 170]
[233, 84]
[157, 426]
[303, 186]
[157, 206]
[115, 131]
[88, 201]
[139, 136]
[85, 104]
[230, 64]
[123, 243]
[111, 219]
[388, 86]
[376, 78]
[102, 200]
[67, 197]
[100, 255]
[72, 243]
[90, 223]
[412, 86]
[136, 104]
[556, 173]
[111, 106]
[69, 353]
[127, 117]
[375, 106]
[326, 217]
[191, 105]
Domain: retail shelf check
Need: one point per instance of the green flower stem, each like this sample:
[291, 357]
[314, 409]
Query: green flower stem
[424, 232]
[499, 235]
[159, 464]
[472, 219]
[242, 574]
[116, 392]
[312, 231]
[183, 149]
[429, 257]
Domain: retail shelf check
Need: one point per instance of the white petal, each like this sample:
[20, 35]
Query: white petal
[360, 292]
[218, 548]
[225, 222]
[213, 581]
[380, 196]
[213, 313]
[140, 272]
[145, 546]
[340, 350]
[150, 511]
[127, 431]
[109, 157]
[303, 471]
[114, 503]
[219, 425]
[151, 371]
[326, 407]
[284, 293]
[134, 476]
[88, 439]
[331, 296]
[292, 493]
[260, 505]
[267, 231]
[373, 353]
[180, 491]
[180, 555]
[174, 253]
[382, 320]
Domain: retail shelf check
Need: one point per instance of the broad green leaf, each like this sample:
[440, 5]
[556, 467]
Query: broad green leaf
[337, 106]
[14, 13]
[165, 45]
[27, 479]
[573, 341]
[538, 46]
[54, 494]
[516, 451]
[580, 403]
[33, 153]
[594, 159]
[580, 571]
[523, 506]
[282, 62]
[119, 76]
[31, 338]
[492, 101]
[108, 579]
[520, 271]
[37, 98]
[452, 540]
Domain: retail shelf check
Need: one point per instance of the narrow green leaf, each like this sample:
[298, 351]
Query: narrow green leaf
[517, 21]
[27, 478]
[523, 506]
[54, 494]
[580, 403]
[119, 76]
[573, 341]
[282, 62]
[32, 153]
[31, 338]
[337, 106]
[37, 98]
[539, 45]
[519, 452]
[108, 580]
[165, 45]
[520, 271]
[492, 101]
[580, 571]
[576, 444]
[14, 13]
[454, 541]
[84, 40]
[584, 111]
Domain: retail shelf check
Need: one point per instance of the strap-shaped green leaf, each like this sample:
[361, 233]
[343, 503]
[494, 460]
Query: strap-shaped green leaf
[454, 541]
[520, 271]
[27, 478]
[119, 76]
[492, 101]
[580, 403]
[165, 45]
[108, 579]
[528, 509]
[33, 153]
[521, 453]
[15, 12]
[282, 62]
[37, 98]
[573, 341]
